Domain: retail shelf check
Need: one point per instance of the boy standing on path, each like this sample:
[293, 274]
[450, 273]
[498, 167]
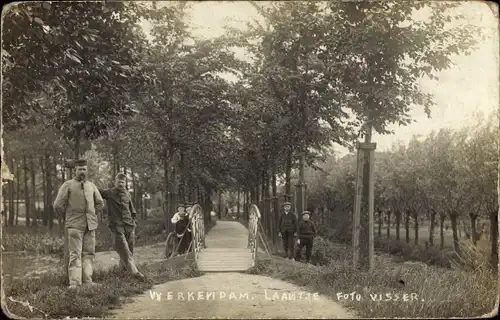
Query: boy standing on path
[307, 232]
[78, 203]
[288, 229]
[121, 221]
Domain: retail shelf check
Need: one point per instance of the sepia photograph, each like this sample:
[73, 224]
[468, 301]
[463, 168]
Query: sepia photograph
[250, 159]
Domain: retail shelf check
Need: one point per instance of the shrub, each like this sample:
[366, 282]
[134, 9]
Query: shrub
[40, 240]
[408, 251]
[475, 258]
[44, 241]
[324, 251]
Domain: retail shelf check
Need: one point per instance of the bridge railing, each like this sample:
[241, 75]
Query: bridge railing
[253, 227]
[198, 228]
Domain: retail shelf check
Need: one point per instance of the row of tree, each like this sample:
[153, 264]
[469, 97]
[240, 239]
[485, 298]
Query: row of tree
[449, 174]
[83, 74]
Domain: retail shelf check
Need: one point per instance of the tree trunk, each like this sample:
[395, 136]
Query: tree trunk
[18, 189]
[45, 212]
[275, 206]
[398, 224]
[182, 182]
[59, 219]
[453, 218]
[167, 199]
[407, 225]
[27, 204]
[494, 239]
[115, 160]
[246, 207]
[50, 168]
[473, 220]
[220, 204]
[11, 197]
[265, 214]
[432, 227]
[33, 191]
[288, 173]
[78, 140]
[380, 223]
[63, 171]
[269, 208]
[238, 204]
[5, 200]
[442, 219]
[389, 224]
[415, 217]
[134, 186]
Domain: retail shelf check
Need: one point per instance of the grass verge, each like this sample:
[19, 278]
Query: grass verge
[48, 296]
[44, 241]
[431, 291]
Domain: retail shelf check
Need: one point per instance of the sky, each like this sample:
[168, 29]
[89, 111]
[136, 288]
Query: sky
[469, 88]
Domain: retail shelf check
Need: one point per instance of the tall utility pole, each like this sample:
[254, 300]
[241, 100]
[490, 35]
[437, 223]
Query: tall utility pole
[362, 235]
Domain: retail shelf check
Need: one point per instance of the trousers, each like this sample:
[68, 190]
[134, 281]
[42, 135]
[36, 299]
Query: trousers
[124, 241]
[288, 243]
[81, 254]
[304, 242]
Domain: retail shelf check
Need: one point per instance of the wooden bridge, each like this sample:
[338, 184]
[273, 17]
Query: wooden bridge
[228, 247]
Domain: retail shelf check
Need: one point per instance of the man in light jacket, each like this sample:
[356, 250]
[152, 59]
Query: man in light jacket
[79, 202]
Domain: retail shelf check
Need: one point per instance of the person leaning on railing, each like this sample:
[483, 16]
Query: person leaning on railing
[181, 222]
[122, 223]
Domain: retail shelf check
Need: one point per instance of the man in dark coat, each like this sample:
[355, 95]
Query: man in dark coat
[307, 232]
[122, 222]
[288, 229]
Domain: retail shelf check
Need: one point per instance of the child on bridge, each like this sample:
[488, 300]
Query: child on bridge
[181, 221]
[307, 232]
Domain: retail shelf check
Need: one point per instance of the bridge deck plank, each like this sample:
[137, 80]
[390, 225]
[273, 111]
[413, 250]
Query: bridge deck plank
[226, 248]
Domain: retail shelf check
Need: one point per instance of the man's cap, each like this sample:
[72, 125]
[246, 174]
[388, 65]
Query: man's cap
[189, 204]
[287, 204]
[306, 212]
[181, 205]
[80, 162]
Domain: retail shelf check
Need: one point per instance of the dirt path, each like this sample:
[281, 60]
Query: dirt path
[230, 295]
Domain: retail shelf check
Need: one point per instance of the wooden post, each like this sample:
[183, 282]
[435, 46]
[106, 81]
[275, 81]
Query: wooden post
[371, 239]
[365, 206]
[357, 207]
